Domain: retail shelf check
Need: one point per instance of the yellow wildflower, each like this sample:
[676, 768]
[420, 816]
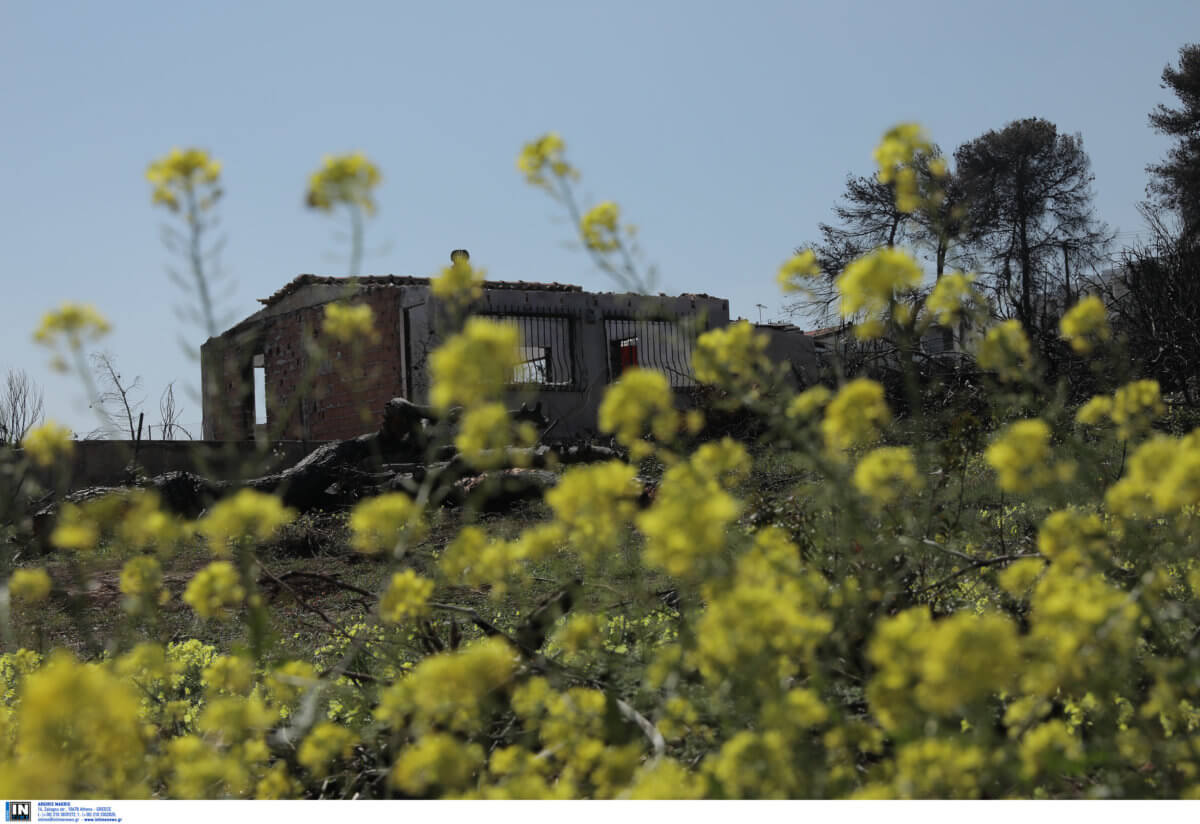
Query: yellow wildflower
[871, 282]
[887, 473]
[855, 416]
[1094, 411]
[232, 674]
[1046, 746]
[595, 503]
[80, 726]
[951, 295]
[215, 591]
[407, 596]
[1084, 324]
[1005, 350]
[350, 323]
[325, 743]
[248, 514]
[75, 321]
[1135, 406]
[685, 527]
[796, 270]
[895, 155]
[46, 443]
[1022, 457]
[486, 432]
[382, 522]
[475, 365]
[545, 153]
[437, 760]
[667, 780]
[809, 402]
[142, 582]
[599, 227]
[640, 399]
[459, 283]
[75, 529]
[450, 690]
[347, 178]
[182, 172]
[29, 585]
[731, 352]
[938, 768]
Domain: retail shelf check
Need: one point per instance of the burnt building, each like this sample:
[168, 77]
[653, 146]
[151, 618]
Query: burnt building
[265, 376]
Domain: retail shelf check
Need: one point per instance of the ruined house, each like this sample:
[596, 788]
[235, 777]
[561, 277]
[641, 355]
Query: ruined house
[261, 375]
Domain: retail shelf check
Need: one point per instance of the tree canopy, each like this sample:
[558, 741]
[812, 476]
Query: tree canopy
[1175, 182]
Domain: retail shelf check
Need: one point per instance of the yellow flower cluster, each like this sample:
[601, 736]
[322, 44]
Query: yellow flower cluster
[248, 514]
[142, 583]
[797, 270]
[886, 474]
[1085, 324]
[1163, 477]
[756, 631]
[855, 416]
[451, 690]
[350, 323]
[685, 527]
[545, 153]
[947, 666]
[324, 744]
[437, 760]
[347, 178]
[183, 172]
[475, 559]
[1135, 406]
[870, 285]
[229, 674]
[1094, 411]
[475, 365]
[385, 523]
[29, 585]
[730, 356]
[895, 156]
[459, 284]
[75, 529]
[1022, 457]
[1005, 350]
[80, 735]
[45, 444]
[594, 504]
[952, 295]
[74, 322]
[485, 433]
[1070, 538]
[809, 402]
[215, 591]
[936, 768]
[641, 399]
[599, 227]
[406, 597]
[1048, 746]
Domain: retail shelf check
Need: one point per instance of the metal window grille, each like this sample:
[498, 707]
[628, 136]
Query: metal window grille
[663, 345]
[548, 359]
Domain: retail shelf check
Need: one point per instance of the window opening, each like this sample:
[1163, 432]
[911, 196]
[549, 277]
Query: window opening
[260, 390]
[547, 351]
[662, 345]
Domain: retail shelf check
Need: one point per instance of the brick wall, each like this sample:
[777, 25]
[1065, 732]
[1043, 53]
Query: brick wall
[349, 385]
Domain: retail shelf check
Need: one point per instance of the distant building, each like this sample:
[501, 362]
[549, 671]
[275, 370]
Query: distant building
[574, 344]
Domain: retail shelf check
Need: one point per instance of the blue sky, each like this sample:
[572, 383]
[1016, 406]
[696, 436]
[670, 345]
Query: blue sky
[725, 131]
